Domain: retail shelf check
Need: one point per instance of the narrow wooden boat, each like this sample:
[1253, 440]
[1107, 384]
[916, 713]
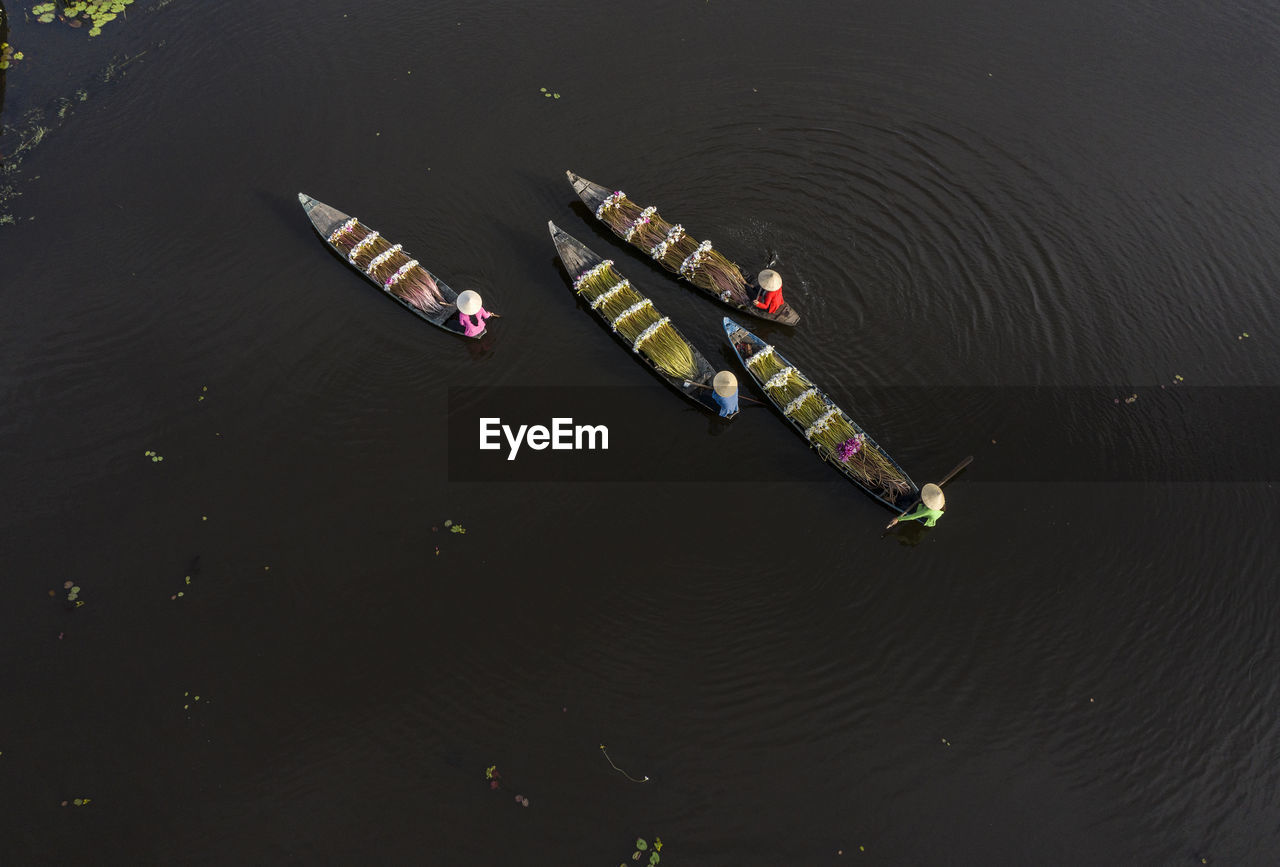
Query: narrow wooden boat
[837, 438]
[632, 317]
[386, 265]
[680, 254]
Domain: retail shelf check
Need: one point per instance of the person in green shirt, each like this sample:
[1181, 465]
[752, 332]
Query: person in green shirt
[930, 509]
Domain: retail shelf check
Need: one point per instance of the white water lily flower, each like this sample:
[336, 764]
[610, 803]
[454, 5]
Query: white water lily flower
[823, 422]
[649, 332]
[780, 378]
[359, 248]
[590, 273]
[404, 269]
[631, 311]
[694, 259]
[761, 355]
[613, 199]
[380, 258]
[800, 399]
[645, 216]
[674, 234]
[603, 297]
[342, 230]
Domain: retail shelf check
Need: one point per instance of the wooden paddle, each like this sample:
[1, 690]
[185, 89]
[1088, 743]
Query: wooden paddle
[948, 477]
[740, 397]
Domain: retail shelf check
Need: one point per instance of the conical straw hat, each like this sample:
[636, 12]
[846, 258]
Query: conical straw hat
[769, 280]
[931, 494]
[726, 384]
[469, 303]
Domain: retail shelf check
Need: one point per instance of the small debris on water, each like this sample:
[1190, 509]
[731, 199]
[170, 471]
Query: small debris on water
[155, 458]
[448, 523]
[66, 585]
[947, 742]
[1131, 398]
[1243, 336]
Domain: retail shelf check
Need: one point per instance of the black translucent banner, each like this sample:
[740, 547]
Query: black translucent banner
[1017, 434]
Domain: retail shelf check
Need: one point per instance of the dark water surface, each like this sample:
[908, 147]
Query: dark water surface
[1065, 670]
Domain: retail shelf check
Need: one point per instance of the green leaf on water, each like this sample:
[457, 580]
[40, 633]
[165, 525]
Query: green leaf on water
[641, 844]
[654, 858]
[45, 18]
[556, 95]
[79, 802]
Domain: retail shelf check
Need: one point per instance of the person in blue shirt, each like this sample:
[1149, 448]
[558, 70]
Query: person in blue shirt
[725, 386]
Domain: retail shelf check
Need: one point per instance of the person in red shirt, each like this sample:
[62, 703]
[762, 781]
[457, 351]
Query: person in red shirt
[769, 299]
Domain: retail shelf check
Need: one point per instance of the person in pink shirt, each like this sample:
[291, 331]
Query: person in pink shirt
[471, 313]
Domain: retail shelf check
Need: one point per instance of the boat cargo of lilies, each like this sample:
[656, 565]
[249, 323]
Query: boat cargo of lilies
[838, 439]
[386, 265]
[673, 248]
[635, 321]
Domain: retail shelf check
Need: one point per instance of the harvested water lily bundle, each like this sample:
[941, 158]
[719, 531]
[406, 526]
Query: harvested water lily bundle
[824, 425]
[653, 339]
[697, 263]
[633, 316]
[670, 245]
[387, 265]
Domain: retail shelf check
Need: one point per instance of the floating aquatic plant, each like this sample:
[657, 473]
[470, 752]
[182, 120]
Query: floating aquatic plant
[98, 13]
[8, 56]
[620, 770]
[642, 846]
[155, 458]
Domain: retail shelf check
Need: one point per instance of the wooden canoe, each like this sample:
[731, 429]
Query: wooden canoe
[820, 421]
[588, 271]
[386, 266]
[705, 269]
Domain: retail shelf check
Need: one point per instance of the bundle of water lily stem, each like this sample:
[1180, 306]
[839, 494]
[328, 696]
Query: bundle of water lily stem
[388, 264]
[826, 425]
[633, 316]
[673, 248]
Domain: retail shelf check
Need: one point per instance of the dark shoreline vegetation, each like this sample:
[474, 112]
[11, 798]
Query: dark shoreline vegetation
[34, 110]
